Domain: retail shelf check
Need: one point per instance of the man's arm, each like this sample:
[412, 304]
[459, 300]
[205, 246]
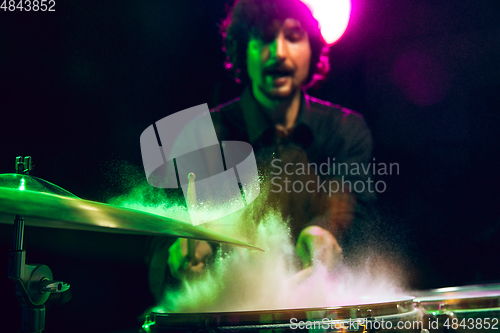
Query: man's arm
[346, 208]
[352, 205]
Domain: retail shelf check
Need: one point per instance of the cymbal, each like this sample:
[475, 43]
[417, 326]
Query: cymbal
[44, 204]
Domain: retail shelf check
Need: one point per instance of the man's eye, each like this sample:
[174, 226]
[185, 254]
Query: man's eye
[295, 35]
[293, 30]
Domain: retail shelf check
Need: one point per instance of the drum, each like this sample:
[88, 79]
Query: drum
[462, 309]
[397, 316]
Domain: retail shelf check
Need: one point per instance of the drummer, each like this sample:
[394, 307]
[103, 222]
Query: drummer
[275, 49]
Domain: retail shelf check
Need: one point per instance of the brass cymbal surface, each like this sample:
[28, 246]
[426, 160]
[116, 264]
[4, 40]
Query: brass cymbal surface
[44, 204]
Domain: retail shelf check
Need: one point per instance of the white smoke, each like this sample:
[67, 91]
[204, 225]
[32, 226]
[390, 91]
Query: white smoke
[246, 280]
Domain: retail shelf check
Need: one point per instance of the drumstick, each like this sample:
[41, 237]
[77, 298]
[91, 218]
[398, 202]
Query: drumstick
[191, 202]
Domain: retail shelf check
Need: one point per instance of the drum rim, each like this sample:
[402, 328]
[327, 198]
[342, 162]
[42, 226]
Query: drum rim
[494, 287]
[460, 298]
[275, 316]
[464, 303]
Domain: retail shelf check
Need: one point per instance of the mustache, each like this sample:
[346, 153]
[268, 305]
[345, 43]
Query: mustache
[277, 67]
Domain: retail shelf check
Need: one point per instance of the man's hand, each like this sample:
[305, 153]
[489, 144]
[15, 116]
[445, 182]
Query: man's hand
[178, 260]
[316, 244]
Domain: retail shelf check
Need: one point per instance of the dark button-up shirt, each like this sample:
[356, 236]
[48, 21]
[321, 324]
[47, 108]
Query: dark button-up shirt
[324, 133]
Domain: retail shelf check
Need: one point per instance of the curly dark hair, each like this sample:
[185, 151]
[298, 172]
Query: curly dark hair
[253, 18]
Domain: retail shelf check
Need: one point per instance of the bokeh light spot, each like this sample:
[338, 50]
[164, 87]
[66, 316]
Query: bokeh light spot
[421, 78]
[333, 17]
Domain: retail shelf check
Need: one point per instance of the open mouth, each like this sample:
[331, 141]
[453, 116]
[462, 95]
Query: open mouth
[278, 73]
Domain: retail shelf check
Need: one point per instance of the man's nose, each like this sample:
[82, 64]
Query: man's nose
[279, 47]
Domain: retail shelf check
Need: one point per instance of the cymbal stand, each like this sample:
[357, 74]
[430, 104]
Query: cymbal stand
[34, 283]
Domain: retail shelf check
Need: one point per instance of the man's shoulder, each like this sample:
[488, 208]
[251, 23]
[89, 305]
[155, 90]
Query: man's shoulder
[320, 111]
[228, 119]
[230, 110]
[227, 106]
[326, 108]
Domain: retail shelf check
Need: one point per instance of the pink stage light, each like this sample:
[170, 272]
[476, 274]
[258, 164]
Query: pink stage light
[333, 17]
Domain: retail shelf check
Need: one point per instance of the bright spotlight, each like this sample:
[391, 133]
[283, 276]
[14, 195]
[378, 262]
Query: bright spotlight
[333, 17]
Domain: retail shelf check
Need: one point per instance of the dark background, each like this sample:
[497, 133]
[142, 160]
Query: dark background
[79, 85]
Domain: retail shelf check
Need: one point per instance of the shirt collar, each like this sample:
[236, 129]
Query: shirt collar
[258, 122]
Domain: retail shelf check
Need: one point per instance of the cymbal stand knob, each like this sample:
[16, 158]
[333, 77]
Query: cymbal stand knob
[51, 286]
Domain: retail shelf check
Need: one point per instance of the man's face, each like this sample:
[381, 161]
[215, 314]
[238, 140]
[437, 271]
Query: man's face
[277, 68]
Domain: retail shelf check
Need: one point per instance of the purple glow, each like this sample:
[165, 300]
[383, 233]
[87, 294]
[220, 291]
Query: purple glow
[333, 17]
[421, 78]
